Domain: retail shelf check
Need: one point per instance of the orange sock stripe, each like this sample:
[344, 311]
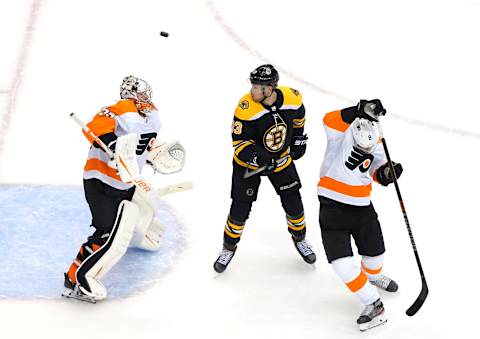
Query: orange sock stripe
[371, 271]
[357, 283]
[71, 272]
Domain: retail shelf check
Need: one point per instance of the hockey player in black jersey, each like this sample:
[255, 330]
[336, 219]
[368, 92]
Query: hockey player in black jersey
[267, 134]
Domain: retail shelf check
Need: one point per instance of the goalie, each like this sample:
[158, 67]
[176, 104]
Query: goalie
[120, 216]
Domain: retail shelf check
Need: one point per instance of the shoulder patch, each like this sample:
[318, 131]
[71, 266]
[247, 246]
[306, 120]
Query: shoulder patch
[247, 109]
[292, 97]
[244, 104]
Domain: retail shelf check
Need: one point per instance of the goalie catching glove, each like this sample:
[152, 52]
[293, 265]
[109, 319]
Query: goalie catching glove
[167, 157]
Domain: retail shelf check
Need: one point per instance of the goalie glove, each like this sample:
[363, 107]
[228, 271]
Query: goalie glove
[166, 157]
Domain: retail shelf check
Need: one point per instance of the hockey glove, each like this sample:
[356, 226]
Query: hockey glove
[370, 109]
[384, 174]
[263, 159]
[298, 147]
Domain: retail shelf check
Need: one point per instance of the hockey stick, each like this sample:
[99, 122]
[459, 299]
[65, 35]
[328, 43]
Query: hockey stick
[424, 292]
[145, 188]
[180, 187]
[261, 169]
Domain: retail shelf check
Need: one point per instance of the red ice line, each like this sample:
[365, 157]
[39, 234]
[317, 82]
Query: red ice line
[17, 79]
[252, 51]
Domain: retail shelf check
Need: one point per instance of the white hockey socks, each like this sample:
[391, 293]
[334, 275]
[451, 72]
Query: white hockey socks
[372, 266]
[355, 280]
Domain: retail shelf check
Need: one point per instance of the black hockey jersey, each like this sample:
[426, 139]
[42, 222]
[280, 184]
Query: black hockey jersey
[267, 130]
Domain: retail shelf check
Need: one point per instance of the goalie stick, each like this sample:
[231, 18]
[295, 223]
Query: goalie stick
[180, 187]
[424, 291]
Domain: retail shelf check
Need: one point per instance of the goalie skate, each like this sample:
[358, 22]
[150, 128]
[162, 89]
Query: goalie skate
[372, 316]
[72, 291]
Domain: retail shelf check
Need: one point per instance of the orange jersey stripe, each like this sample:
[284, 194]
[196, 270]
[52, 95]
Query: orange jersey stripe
[98, 165]
[371, 271]
[334, 120]
[357, 283]
[340, 187]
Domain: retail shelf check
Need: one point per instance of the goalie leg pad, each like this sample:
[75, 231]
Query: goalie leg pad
[148, 230]
[104, 258]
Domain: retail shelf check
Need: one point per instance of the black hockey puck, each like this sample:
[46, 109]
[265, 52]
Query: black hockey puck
[164, 34]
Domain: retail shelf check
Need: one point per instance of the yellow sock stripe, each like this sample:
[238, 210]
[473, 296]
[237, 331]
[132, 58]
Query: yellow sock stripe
[296, 228]
[296, 221]
[236, 227]
[231, 235]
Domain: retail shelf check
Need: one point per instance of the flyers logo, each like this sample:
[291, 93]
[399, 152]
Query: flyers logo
[360, 159]
[143, 141]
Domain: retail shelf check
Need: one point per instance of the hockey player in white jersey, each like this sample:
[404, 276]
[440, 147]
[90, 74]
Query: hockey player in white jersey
[121, 216]
[354, 157]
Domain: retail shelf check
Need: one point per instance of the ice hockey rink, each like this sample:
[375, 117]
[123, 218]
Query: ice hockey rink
[419, 57]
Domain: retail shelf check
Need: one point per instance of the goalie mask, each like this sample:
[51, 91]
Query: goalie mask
[139, 90]
[365, 134]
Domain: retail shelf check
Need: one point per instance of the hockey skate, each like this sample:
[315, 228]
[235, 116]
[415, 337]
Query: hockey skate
[224, 259]
[73, 291]
[373, 315]
[385, 283]
[305, 250]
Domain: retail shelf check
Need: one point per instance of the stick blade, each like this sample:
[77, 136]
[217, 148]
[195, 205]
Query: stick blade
[412, 310]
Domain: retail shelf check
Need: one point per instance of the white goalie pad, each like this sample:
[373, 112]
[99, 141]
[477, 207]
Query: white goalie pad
[167, 157]
[116, 245]
[126, 157]
[148, 230]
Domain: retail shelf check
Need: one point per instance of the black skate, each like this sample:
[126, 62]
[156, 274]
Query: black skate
[385, 283]
[224, 259]
[305, 250]
[373, 315]
[73, 291]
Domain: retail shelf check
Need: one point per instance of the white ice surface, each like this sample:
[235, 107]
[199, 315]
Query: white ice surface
[419, 57]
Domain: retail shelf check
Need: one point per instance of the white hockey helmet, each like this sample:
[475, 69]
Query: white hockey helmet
[136, 89]
[365, 134]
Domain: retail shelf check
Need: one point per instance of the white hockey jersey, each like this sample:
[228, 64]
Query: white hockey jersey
[346, 173]
[120, 119]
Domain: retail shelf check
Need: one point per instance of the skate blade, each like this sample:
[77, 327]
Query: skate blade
[71, 294]
[377, 321]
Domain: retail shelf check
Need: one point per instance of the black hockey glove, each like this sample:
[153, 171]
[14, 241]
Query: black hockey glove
[264, 159]
[370, 109]
[384, 174]
[298, 147]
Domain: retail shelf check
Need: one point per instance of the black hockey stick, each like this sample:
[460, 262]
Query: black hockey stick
[249, 174]
[424, 292]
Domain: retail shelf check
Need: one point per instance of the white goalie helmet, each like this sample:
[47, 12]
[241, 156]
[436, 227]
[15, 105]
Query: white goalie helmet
[137, 89]
[365, 134]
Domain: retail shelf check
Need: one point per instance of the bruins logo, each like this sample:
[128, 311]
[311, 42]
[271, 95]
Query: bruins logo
[297, 93]
[244, 104]
[275, 137]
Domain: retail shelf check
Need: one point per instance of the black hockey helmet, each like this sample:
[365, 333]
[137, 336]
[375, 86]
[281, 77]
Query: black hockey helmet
[264, 75]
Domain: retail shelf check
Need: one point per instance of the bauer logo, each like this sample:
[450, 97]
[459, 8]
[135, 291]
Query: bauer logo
[360, 159]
